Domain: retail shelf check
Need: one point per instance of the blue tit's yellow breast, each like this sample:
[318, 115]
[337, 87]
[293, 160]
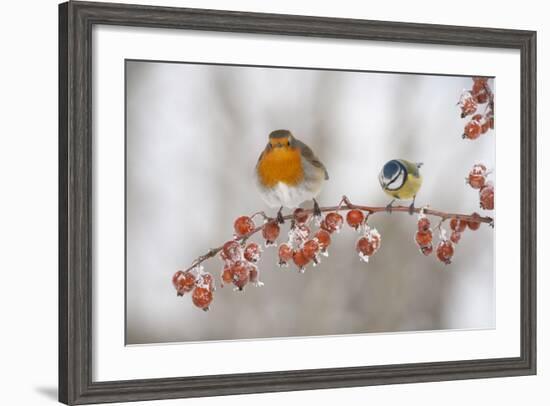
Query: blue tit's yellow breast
[283, 164]
[408, 190]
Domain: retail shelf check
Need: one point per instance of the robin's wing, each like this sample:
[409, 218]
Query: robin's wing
[308, 154]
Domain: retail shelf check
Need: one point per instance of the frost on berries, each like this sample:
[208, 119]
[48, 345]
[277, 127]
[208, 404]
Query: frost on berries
[309, 240]
[479, 98]
[368, 244]
[477, 179]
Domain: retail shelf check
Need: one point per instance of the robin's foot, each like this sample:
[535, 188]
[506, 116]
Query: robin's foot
[389, 207]
[280, 218]
[316, 209]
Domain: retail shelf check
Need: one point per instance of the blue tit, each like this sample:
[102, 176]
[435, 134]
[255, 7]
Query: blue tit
[401, 180]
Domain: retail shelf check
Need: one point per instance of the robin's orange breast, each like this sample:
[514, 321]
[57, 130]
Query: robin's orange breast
[281, 165]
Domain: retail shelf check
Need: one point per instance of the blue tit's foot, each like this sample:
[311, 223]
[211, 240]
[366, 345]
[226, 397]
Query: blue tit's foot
[280, 218]
[411, 207]
[316, 209]
[389, 207]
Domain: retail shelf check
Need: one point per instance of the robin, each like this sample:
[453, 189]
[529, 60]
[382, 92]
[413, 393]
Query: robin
[288, 173]
[401, 180]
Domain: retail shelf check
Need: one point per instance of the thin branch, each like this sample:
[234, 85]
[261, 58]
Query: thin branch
[345, 204]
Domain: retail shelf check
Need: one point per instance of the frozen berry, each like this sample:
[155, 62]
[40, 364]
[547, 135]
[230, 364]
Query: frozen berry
[241, 274]
[468, 105]
[472, 130]
[364, 246]
[423, 238]
[457, 224]
[354, 218]
[252, 252]
[472, 224]
[300, 259]
[243, 225]
[310, 249]
[423, 224]
[270, 232]
[184, 282]
[232, 251]
[487, 197]
[285, 254]
[445, 251]
[323, 237]
[202, 297]
[476, 177]
[455, 236]
[227, 274]
[300, 216]
[482, 97]
[479, 84]
[332, 222]
[205, 281]
[427, 249]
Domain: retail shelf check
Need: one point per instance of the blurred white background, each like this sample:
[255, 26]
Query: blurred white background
[194, 133]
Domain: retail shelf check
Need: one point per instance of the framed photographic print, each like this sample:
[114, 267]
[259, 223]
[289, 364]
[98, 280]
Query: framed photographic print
[257, 202]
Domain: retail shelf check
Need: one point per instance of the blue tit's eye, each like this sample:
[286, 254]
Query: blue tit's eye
[391, 169]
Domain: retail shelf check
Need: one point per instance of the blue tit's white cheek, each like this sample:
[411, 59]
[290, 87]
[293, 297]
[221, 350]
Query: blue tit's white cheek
[397, 182]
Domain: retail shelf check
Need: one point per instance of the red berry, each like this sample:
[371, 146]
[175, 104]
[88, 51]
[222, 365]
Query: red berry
[427, 249]
[232, 251]
[445, 251]
[482, 97]
[311, 248]
[270, 232]
[300, 259]
[323, 237]
[243, 225]
[472, 224]
[455, 236]
[472, 130]
[184, 282]
[205, 281]
[202, 297]
[423, 224]
[423, 238]
[479, 84]
[285, 254]
[175, 278]
[476, 177]
[487, 197]
[332, 222]
[300, 216]
[364, 246]
[354, 218]
[468, 105]
[252, 252]
[241, 274]
[458, 225]
[227, 274]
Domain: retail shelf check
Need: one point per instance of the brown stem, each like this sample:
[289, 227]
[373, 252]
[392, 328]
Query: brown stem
[345, 204]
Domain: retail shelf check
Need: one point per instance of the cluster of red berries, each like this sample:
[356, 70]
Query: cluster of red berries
[480, 94]
[201, 284]
[446, 247]
[477, 179]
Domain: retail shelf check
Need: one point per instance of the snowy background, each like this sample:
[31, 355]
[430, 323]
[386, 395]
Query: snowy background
[194, 134]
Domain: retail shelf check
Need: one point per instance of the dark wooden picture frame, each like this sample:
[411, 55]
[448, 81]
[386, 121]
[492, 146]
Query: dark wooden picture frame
[76, 20]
